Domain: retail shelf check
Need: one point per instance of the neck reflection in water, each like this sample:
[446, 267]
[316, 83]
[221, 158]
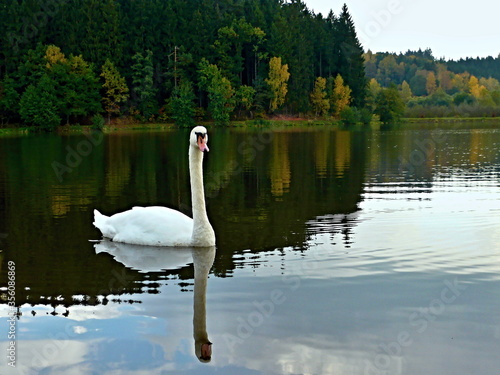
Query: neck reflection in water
[157, 259]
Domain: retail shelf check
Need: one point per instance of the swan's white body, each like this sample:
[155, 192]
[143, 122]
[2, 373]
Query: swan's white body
[162, 226]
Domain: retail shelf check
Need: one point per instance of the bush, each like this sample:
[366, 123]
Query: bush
[98, 122]
[365, 116]
[389, 105]
[349, 116]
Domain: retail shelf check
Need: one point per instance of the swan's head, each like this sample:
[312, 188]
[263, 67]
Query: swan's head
[204, 351]
[199, 138]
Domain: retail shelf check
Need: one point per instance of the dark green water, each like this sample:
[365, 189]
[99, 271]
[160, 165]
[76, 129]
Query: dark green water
[338, 251]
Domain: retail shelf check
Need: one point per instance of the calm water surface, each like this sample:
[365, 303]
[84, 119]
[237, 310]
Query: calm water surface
[338, 252]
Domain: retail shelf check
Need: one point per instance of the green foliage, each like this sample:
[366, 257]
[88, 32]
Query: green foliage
[220, 92]
[67, 88]
[350, 54]
[98, 122]
[143, 84]
[39, 105]
[9, 99]
[365, 116]
[349, 116]
[389, 105]
[353, 116]
[114, 87]
[157, 44]
[182, 104]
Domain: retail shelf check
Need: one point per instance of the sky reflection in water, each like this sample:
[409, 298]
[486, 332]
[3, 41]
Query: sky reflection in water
[339, 251]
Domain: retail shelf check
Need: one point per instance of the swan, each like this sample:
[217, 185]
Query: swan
[154, 259]
[203, 259]
[162, 226]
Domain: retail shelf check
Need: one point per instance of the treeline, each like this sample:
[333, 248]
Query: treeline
[437, 88]
[162, 60]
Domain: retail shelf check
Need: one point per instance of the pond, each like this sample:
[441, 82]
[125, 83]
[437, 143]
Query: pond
[338, 252]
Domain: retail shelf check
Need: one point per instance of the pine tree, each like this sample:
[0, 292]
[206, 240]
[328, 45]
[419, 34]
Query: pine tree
[143, 84]
[351, 62]
[182, 103]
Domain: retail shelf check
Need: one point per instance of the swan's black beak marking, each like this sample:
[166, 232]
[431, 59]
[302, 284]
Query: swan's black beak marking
[202, 136]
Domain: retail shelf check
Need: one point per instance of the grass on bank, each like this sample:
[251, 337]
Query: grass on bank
[256, 123]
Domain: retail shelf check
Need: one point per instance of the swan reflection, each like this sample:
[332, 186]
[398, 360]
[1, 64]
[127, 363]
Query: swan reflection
[153, 259]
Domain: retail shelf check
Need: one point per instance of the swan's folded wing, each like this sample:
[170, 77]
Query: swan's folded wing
[152, 226]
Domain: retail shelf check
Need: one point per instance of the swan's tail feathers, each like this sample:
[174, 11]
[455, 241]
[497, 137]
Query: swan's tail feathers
[101, 223]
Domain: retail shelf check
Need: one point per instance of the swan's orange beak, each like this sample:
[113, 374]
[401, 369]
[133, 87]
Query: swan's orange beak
[202, 142]
[206, 352]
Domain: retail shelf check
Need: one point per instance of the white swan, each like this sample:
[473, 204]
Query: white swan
[155, 259]
[203, 259]
[162, 226]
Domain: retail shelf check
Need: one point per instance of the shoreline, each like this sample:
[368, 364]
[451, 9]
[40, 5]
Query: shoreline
[258, 123]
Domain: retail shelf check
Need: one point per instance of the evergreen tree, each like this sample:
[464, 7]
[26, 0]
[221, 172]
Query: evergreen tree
[350, 57]
[9, 99]
[143, 85]
[182, 103]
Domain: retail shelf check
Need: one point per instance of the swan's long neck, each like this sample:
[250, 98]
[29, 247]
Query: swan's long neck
[203, 234]
[203, 260]
[200, 312]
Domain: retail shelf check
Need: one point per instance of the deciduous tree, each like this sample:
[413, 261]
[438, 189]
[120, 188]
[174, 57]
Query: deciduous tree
[220, 92]
[115, 89]
[341, 96]
[431, 84]
[319, 100]
[277, 81]
[389, 105]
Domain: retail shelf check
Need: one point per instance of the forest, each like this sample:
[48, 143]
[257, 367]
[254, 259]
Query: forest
[96, 61]
[431, 87]
[159, 60]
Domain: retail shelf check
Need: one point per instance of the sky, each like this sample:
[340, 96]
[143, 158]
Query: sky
[451, 29]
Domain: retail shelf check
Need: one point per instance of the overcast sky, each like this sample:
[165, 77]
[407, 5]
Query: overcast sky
[452, 29]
